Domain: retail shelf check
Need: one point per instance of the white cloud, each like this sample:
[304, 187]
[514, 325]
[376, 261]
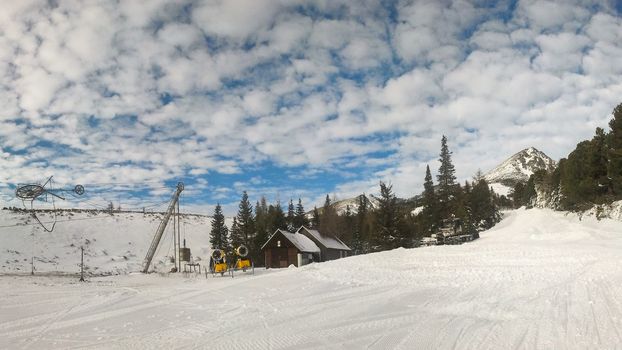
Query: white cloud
[158, 90]
[235, 18]
[552, 15]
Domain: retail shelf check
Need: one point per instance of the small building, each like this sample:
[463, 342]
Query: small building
[284, 248]
[331, 247]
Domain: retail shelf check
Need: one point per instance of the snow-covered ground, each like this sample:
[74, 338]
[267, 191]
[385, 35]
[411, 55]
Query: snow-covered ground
[540, 279]
[501, 189]
[114, 244]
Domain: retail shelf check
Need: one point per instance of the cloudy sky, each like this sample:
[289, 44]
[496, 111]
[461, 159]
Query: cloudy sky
[294, 98]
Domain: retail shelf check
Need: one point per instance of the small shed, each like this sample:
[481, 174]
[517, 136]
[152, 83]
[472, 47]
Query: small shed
[285, 248]
[331, 247]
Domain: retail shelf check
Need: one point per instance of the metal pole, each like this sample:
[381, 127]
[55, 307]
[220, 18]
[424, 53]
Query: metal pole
[82, 264]
[174, 242]
[32, 257]
[178, 236]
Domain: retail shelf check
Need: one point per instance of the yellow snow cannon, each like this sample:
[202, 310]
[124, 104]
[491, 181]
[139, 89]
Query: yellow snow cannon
[218, 263]
[243, 262]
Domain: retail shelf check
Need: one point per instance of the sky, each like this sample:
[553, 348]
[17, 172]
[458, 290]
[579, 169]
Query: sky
[292, 99]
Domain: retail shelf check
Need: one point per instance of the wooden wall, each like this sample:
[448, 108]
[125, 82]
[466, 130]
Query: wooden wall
[283, 256]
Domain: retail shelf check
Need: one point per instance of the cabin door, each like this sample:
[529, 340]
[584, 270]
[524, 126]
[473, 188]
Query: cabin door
[279, 257]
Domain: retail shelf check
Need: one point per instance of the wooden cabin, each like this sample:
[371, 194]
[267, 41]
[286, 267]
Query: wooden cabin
[285, 248]
[331, 247]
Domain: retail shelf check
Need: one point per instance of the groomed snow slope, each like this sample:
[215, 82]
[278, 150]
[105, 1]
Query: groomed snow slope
[539, 280]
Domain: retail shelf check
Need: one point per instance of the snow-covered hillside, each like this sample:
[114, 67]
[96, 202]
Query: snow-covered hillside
[341, 206]
[113, 244]
[538, 280]
[518, 168]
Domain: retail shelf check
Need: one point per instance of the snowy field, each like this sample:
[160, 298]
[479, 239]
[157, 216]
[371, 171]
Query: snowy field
[540, 279]
[113, 244]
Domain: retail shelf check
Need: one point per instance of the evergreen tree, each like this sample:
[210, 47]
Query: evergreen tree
[578, 187]
[361, 230]
[261, 217]
[599, 159]
[481, 202]
[446, 181]
[468, 188]
[347, 226]
[246, 224]
[291, 226]
[328, 218]
[235, 235]
[386, 221]
[300, 217]
[219, 234]
[529, 194]
[517, 195]
[614, 168]
[277, 219]
[460, 204]
[261, 229]
[430, 213]
[315, 220]
[592, 173]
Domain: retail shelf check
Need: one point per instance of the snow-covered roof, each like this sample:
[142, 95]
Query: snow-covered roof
[327, 241]
[300, 241]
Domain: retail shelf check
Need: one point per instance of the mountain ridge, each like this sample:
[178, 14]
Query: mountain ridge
[518, 168]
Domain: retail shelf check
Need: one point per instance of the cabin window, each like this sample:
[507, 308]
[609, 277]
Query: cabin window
[278, 244]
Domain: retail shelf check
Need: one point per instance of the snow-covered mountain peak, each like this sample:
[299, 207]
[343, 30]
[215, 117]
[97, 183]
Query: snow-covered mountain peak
[520, 166]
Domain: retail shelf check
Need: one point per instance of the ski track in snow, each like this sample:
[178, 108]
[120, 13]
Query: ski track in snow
[538, 280]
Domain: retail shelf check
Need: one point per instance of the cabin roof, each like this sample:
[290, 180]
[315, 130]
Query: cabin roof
[329, 242]
[300, 241]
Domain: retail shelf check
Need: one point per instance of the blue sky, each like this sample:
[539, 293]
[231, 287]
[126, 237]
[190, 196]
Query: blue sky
[292, 99]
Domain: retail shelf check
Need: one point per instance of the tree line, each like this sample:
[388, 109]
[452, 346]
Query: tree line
[373, 223]
[590, 175]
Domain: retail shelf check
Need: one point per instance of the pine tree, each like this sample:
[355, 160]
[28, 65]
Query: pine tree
[481, 203]
[386, 221]
[460, 207]
[529, 194]
[592, 172]
[446, 181]
[300, 217]
[347, 223]
[246, 223]
[328, 218]
[236, 235]
[276, 218]
[430, 210]
[261, 229]
[219, 234]
[614, 168]
[360, 235]
[315, 220]
[598, 166]
[261, 213]
[291, 226]
[517, 195]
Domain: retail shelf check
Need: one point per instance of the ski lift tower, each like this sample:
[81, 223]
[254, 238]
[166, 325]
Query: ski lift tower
[160, 231]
